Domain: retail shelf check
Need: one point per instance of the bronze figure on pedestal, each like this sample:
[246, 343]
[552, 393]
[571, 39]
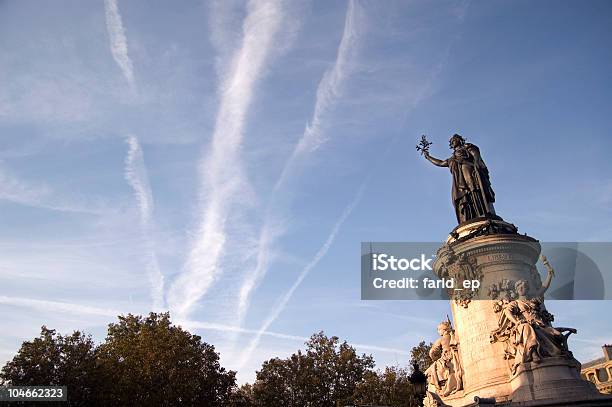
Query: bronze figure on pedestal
[472, 194]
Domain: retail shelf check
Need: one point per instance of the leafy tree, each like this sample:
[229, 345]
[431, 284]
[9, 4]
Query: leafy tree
[56, 360]
[420, 355]
[276, 386]
[392, 387]
[149, 361]
[326, 374]
[145, 361]
[242, 397]
[389, 387]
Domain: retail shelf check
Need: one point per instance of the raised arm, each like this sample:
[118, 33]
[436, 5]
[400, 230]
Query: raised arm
[549, 277]
[435, 161]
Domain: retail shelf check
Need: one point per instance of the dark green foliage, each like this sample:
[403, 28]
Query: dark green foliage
[420, 355]
[326, 374]
[145, 361]
[56, 360]
[170, 365]
[389, 387]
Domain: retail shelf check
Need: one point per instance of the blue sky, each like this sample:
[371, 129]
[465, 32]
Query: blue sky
[224, 160]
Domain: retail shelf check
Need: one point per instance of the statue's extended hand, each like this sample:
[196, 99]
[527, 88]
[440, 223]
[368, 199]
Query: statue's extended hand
[549, 268]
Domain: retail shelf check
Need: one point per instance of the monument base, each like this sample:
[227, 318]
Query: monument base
[551, 378]
[485, 332]
[601, 402]
[593, 400]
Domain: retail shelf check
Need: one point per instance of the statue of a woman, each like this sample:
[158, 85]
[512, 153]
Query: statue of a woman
[472, 193]
[525, 326]
[445, 374]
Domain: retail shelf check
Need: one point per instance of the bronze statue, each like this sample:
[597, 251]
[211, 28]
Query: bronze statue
[472, 194]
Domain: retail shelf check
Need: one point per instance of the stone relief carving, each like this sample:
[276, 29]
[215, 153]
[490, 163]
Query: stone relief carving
[506, 288]
[461, 267]
[432, 400]
[490, 227]
[503, 290]
[445, 375]
[525, 326]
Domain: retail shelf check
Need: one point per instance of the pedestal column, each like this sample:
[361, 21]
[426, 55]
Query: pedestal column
[491, 259]
[495, 326]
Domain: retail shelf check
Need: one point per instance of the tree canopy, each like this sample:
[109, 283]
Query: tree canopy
[326, 373]
[420, 355]
[56, 360]
[148, 361]
[388, 387]
[145, 361]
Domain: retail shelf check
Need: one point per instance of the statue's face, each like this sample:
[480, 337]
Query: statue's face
[454, 142]
[441, 330]
[522, 289]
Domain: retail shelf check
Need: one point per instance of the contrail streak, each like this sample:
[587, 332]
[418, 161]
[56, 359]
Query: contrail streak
[118, 41]
[328, 92]
[311, 265]
[14, 189]
[78, 309]
[221, 170]
[58, 306]
[266, 238]
[238, 329]
[137, 178]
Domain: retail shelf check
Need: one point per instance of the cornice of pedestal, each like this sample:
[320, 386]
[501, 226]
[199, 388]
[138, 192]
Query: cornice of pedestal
[501, 249]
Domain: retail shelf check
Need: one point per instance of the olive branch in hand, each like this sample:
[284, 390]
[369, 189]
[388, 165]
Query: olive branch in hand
[423, 145]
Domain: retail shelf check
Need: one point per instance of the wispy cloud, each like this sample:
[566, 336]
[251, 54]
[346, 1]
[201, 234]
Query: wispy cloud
[329, 91]
[38, 195]
[269, 233]
[224, 16]
[15, 190]
[58, 306]
[72, 308]
[278, 309]
[192, 325]
[105, 263]
[118, 41]
[221, 172]
[136, 176]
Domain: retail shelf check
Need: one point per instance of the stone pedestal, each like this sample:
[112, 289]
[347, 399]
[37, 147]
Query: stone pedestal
[552, 378]
[494, 253]
[485, 372]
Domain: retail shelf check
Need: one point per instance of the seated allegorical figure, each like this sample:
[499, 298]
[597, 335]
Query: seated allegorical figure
[525, 327]
[445, 373]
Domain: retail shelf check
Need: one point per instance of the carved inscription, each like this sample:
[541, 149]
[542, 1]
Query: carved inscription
[476, 343]
[499, 257]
